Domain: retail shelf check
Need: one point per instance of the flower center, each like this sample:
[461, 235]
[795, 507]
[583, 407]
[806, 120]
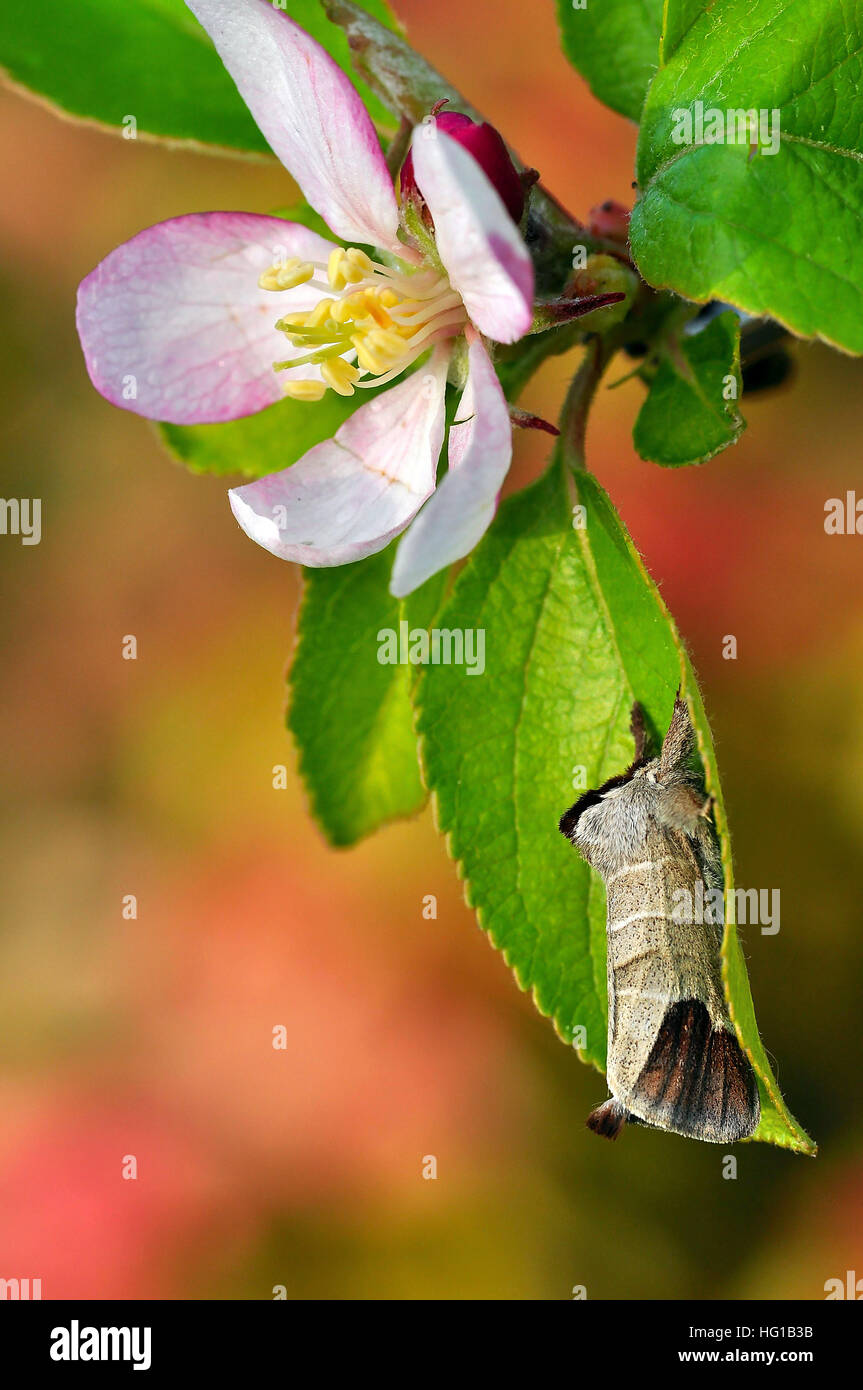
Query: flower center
[376, 323]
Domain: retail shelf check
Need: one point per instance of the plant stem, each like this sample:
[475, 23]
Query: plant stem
[398, 146]
[573, 420]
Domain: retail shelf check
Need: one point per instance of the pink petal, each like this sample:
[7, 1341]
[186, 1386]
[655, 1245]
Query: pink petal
[311, 115]
[480, 246]
[480, 451]
[173, 323]
[348, 497]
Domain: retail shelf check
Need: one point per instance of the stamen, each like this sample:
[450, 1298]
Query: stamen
[310, 358]
[291, 321]
[408, 311]
[386, 341]
[380, 317]
[394, 371]
[301, 337]
[446, 320]
[361, 261]
[340, 375]
[343, 311]
[320, 313]
[342, 270]
[305, 390]
[367, 359]
[286, 275]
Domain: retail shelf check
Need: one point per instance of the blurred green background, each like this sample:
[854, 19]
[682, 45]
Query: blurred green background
[406, 1037]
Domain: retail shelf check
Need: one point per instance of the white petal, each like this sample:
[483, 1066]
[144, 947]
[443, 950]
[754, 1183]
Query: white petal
[311, 115]
[348, 497]
[480, 452]
[480, 246]
[174, 325]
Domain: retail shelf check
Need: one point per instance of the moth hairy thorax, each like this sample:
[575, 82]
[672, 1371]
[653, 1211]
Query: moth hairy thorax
[674, 1061]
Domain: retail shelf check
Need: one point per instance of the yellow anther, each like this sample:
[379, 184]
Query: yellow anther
[305, 390]
[377, 311]
[343, 267]
[336, 269]
[286, 275]
[366, 359]
[388, 298]
[298, 274]
[382, 340]
[321, 312]
[292, 321]
[360, 261]
[341, 311]
[340, 374]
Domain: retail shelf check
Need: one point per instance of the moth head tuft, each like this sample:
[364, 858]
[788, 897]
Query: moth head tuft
[679, 742]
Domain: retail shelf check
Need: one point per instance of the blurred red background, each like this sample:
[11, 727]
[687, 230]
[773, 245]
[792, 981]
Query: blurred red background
[406, 1037]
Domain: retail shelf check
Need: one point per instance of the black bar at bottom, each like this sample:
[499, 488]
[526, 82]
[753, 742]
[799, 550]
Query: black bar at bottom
[220, 1338]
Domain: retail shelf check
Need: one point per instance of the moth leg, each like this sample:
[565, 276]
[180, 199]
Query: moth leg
[608, 1119]
[638, 730]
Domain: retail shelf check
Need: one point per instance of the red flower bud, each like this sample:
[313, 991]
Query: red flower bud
[610, 220]
[490, 153]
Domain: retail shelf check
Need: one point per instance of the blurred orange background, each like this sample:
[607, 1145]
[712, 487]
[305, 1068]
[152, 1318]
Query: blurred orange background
[405, 1037]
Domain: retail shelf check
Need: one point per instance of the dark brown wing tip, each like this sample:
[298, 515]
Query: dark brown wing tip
[607, 1119]
[697, 1080]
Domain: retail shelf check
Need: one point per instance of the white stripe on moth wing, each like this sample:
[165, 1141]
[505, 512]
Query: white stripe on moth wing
[633, 868]
[637, 917]
[645, 994]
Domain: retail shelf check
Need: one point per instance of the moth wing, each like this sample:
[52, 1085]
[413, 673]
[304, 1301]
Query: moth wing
[697, 1080]
[708, 854]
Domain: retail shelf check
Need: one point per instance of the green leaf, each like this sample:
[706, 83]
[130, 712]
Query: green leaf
[614, 45]
[351, 715]
[679, 18]
[106, 60]
[778, 234]
[686, 417]
[263, 443]
[575, 631]
[305, 214]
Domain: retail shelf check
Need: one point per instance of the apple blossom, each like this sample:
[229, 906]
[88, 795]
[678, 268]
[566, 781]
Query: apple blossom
[182, 322]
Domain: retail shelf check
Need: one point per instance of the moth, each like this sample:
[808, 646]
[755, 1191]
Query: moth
[674, 1061]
